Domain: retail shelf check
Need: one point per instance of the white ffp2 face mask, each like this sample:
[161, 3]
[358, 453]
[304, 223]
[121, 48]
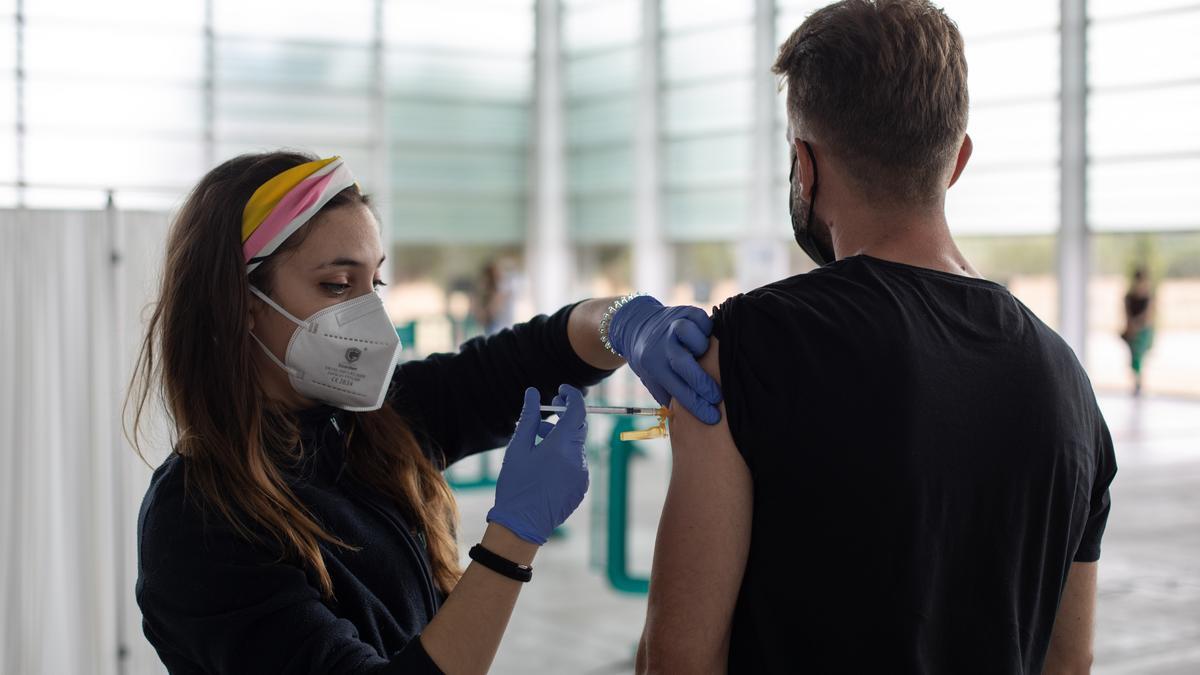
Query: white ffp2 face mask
[343, 355]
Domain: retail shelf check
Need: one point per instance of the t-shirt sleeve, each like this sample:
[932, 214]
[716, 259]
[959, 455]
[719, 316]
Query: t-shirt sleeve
[734, 371]
[213, 598]
[1100, 503]
[469, 401]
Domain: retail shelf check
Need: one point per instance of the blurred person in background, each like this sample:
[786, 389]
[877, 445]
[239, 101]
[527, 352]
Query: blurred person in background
[1139, 323]
[911, 473]
[494, 298]
[301, 523]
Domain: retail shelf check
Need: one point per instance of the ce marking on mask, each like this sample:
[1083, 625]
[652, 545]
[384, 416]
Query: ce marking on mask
[345, 374]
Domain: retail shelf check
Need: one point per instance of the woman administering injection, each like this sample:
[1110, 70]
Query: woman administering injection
[301, 522]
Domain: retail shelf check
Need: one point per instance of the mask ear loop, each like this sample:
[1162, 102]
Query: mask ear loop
[274, 305]
[290, 371]
[812, 190]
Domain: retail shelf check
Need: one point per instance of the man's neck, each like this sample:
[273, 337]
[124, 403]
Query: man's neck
[920, 239]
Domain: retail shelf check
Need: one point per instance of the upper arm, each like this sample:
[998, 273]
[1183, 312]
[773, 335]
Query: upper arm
[1070, 648]
[702, 545]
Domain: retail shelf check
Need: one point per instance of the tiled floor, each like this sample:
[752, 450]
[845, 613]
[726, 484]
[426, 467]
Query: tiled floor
[570, 621]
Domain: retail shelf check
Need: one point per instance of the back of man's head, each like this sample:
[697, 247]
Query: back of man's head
[883, 85]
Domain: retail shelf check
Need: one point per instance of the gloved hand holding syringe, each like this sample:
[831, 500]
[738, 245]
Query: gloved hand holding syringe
[659, 431]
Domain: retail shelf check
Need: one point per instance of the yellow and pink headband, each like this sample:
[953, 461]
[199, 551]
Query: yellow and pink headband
[285, 203]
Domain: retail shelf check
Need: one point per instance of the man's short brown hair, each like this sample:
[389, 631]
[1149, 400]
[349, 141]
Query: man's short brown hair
[884, 84]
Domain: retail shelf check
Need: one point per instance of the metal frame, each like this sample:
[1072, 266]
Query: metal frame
[762, 256]
[1074, 237]
[653, 259]
[547, 245]
[19, 42]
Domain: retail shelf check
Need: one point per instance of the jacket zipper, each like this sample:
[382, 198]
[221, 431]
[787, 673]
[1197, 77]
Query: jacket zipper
[360, 495]
[426, 573]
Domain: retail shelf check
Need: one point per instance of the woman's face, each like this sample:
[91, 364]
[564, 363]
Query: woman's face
[339, 260]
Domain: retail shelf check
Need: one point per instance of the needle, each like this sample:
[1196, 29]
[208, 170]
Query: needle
[609, 410]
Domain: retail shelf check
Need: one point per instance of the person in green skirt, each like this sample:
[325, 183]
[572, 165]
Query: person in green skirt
[1139, 328]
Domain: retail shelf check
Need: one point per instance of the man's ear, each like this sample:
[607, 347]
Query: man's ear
[804, 169]
[964, 154]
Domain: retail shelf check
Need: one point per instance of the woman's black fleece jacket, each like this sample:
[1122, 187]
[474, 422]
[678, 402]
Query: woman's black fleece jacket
[213, 602]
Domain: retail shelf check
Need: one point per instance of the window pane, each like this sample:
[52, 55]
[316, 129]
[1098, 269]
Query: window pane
[97, 106]
[252, 62]
[1143, 122]
[450, 171]
[287, 118]
[1158, 194]
[974, 19]
[465, 76]
[608, 120]
[604, 218]
[706, 215]
[459, 85]
[459, 123]
[112, 160]
[708, 54]
[717, 107]
[8, 103]
[1145, 50]
[8, 156]
[1013, 68]
[789, 19]
[92, 199]
[158, 56]
[601, 24]
[699, 161]
[479, 26]
[451, 220]
[603, 72]
[1004, 134]
[604, 169]
[1108, 8]
[8, 47]
[345, 20]
[991, 18]
[181, 14]
[1004, 202]
[679, 14]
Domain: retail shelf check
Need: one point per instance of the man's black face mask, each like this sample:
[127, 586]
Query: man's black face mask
[819, 249]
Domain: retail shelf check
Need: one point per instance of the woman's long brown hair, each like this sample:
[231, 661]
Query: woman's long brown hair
[198, 356]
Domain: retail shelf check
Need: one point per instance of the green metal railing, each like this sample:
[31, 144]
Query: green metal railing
[617, 521]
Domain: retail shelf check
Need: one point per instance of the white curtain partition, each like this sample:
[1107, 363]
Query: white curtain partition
[74, 287]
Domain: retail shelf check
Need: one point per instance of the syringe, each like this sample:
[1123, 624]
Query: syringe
[658, 431]
[610, 410]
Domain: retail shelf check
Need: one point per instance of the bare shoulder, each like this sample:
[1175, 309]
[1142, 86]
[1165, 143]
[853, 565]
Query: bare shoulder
[682, 421]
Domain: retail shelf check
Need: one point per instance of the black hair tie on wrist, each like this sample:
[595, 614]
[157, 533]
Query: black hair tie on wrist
[500, 565]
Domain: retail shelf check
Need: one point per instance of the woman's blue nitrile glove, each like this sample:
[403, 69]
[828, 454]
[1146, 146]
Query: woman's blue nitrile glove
[541, 484]
[661, 345]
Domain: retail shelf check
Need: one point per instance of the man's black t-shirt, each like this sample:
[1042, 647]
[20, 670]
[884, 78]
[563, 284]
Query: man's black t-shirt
[928, 460]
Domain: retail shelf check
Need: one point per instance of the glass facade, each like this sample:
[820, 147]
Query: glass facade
[433, 102]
